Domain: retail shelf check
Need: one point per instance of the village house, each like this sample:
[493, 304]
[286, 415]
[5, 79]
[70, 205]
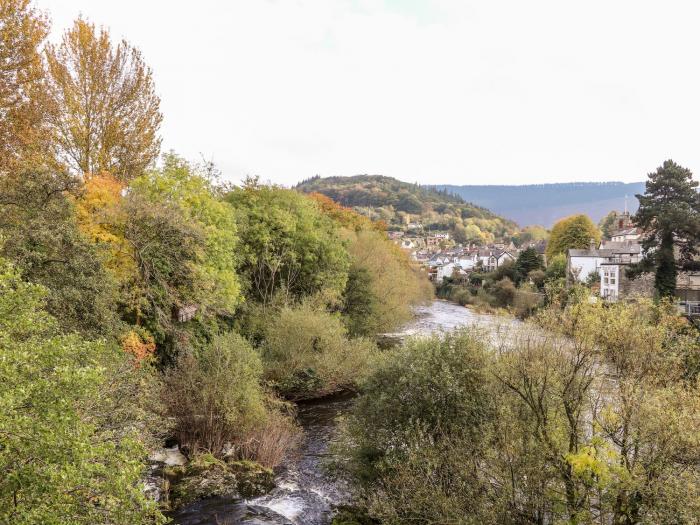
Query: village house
[614, 283]
[436, 239]
[491, 259]
[580, 264]
[626, 235]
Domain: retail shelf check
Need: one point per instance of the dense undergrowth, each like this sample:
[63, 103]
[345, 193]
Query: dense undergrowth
[588, 414]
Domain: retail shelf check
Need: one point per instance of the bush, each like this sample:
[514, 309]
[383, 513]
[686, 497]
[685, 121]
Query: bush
[504, 291]
[526, 301]
[71, 436]
[556, 269]
[462, 296]
[307, 354]
[215, 397]
[537, 278]
[505, 270]
[420, 419]
[438, 381]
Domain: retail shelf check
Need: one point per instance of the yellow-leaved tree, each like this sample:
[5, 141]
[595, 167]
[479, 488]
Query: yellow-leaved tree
[23, 104]
[107, 112]
[101, 217]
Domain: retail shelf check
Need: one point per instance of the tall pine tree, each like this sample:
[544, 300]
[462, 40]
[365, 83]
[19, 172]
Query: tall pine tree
[669, 214]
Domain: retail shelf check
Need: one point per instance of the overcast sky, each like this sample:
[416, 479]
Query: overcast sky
[443, 91]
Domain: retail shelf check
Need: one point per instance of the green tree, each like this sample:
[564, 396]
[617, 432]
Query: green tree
[64, 453]
[167, 248]
[386, 266]
[287, 245]
[669, 214]
[41, 238]
[359, 303]
[607, 224]
[528, 260]
[556, 268]
[195, 193]
[576, 231]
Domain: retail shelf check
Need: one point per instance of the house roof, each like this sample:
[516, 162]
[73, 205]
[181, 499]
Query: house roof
[607, 252]
[622, 246]
[627, 231]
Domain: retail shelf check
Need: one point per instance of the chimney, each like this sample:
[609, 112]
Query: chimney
[592, 244]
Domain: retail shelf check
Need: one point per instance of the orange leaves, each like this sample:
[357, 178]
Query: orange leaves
[141, 346]
[346, 217]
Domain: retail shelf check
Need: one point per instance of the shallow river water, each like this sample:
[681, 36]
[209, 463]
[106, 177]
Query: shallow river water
[306, 493]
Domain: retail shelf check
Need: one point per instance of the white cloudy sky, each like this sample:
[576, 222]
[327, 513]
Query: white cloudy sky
[443, 91]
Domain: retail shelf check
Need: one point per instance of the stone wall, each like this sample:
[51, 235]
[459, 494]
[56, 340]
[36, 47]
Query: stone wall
[642, 286]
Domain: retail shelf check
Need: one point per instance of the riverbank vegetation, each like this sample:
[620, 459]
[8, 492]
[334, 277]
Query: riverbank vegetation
[145, 301]
[521, 286]
[590, 414]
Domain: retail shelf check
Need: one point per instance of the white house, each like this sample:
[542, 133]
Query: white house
[445, 270]
[610, 281]
[626, 235]
[492, 259]
[581, 263]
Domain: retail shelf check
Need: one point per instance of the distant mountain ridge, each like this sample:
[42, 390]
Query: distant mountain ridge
[544, 204]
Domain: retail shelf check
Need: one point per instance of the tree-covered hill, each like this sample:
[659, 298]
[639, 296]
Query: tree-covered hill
[401, 204]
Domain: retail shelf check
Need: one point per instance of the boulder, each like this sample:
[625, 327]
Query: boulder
[208, 477]
[169, 456]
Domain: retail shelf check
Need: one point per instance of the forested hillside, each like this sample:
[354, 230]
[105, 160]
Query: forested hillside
[399, 204]
[544, 204]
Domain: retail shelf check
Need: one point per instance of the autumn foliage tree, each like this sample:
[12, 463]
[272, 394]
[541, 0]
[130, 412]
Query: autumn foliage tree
[108, 113]
[23, 104]
[576, 231]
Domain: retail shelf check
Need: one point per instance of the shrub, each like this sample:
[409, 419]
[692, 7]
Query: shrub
[537, 278]
[526, 301]
[462, 296]
[307, 354]
[556, 268]
[421, 418]
[71, 440]
[215, 397]
[505, 270]
[504, 291]
[438, 381]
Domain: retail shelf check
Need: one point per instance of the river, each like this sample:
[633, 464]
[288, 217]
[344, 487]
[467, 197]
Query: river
[305, 494]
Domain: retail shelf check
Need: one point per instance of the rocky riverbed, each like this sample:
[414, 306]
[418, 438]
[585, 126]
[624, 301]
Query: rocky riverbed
[305, 492]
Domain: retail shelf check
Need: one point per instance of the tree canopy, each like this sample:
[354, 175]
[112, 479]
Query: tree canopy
[107, 113]
[576, 231]
[63, 452]
[669, 214]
